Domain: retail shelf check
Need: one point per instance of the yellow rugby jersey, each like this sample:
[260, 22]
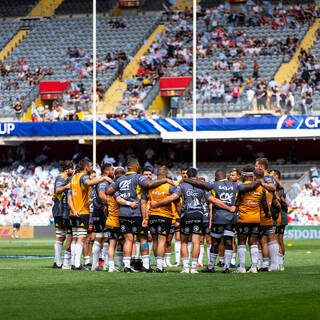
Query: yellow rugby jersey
[250, 205]
[264, 221]
[158, 194]
[113, 212]
[80, 194]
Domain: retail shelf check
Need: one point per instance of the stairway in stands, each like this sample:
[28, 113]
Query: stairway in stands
[287, 70]
[45, 8]
[113, 95]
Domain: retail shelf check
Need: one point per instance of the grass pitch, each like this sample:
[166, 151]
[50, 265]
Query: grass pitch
[31, 289]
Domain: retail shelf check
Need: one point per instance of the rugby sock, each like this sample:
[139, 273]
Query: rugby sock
[111, 263]
[242, 251]
[260, 259]
[212, 261]
[177, 250]
[221, 259]
[194, 263]
[104, 251]
[227, 258]
[120, 259]
[208, 251]
[201, 254]
[160, 262]
[137, 250]
[265, 262]
[273, 249]
[281, 260]
[167, 257]
[126, 261]
[78, 250]
[145, 262]
[86, 259]
[67, 258]
[233, 259]
[185, 263]
[57, 252]
[254, 252]
[73, 252]
[190, 249]
[96, 249]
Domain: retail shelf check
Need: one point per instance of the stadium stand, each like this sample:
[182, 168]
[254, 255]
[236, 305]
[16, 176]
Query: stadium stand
[16, 8]
[241, 41]
[56, 36]
[72, 7]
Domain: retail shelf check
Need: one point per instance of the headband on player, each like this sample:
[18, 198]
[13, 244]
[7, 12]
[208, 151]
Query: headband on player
[247, 174]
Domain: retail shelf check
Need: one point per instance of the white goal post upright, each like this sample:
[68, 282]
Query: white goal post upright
[94, 93]
[194, 87]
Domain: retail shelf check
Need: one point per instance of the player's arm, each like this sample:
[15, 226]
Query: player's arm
[143, 206]
[178, 206]
[197, 183]
[276, 203]
[247, 187]
[210, 215]
[165, 201]
[284, 203]
[150, 184]
[92, 182]
[269, 184]
[264, 205]
[218, 203]
[124, 202]
[71, 206]
[103, 197]
[62, 189]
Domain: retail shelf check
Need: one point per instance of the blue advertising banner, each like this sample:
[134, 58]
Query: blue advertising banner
[162, 126]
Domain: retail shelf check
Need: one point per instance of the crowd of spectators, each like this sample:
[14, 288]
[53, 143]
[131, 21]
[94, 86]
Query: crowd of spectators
[223, 33]
[305, 209]
[169, 56]
[307, 80]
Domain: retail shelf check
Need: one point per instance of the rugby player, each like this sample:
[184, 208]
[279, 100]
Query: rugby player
[176, 226]
[191, 216]
[88, 243]
[207, 211]
[61, 221]
[132, 220]
[235, 176]
[114, 233]
[249, 210]
[282, 221]
[223, 220]
[98, 199]
[267, 228]
[160, 218]
[78, 201]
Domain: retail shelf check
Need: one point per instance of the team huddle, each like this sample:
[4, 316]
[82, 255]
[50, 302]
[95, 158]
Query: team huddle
[125, 214]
